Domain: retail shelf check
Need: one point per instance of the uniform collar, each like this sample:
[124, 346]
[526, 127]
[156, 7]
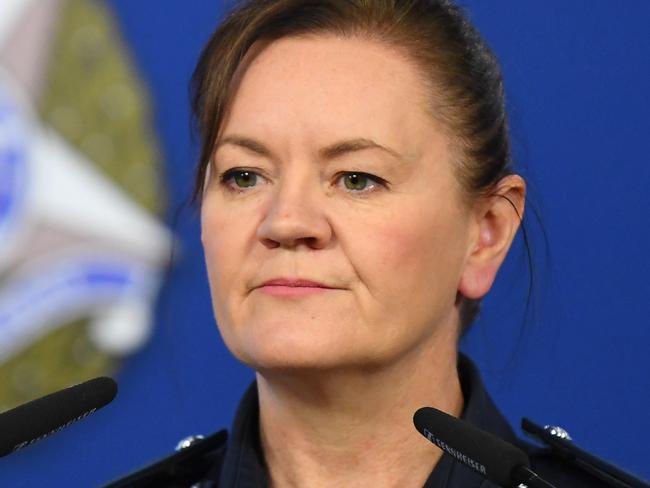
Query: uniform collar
[480, 411]
[244, 467]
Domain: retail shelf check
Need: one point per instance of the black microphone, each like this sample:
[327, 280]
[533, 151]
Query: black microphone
[35, 420]
[495, 459]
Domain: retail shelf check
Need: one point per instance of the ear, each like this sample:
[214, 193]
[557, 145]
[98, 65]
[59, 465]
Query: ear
[497, 218]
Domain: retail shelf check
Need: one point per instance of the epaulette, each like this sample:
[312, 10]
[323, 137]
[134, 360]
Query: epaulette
[559, 444]
[194, 456]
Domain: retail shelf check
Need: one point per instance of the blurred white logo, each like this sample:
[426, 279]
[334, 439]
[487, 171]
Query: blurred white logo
[73, 244]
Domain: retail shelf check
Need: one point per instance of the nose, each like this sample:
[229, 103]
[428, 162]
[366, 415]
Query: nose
[295, 217]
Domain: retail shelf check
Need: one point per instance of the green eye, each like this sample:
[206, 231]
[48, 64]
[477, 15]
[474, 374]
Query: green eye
[239, 180]
[356, 181]
[245, 179]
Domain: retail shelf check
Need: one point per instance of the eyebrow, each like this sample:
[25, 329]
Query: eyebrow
[332, 151]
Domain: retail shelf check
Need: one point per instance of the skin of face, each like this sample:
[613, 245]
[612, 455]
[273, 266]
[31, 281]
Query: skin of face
[392, 248]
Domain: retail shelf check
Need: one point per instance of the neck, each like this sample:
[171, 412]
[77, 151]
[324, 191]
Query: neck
[355, 427]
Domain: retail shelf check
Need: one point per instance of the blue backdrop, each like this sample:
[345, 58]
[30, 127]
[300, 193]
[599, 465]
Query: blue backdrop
[577, 76]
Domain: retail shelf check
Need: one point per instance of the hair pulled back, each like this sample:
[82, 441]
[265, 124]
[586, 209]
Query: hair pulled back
[460, 71]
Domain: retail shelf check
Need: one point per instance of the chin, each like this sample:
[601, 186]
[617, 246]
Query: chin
[292, 354]
[284, 347]
[290, 363]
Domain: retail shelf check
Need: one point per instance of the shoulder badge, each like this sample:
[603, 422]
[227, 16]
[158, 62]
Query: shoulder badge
[194, 456]
[561, 445]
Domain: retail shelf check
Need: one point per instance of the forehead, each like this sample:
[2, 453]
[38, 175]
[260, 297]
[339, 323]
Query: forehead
[329, 87]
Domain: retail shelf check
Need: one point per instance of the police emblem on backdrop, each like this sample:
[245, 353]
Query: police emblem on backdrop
[81, 248]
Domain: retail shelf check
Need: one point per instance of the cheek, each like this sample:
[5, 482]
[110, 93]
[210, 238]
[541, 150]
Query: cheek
[221, 238]
[399, 246]
[418, 260]
[212, 239]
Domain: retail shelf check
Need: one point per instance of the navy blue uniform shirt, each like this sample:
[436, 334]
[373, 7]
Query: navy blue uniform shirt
[240, 463]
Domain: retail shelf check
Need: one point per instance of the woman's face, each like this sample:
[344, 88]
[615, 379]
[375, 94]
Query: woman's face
[334, 229]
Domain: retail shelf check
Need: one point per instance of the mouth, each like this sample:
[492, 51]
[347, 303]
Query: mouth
[290, 287]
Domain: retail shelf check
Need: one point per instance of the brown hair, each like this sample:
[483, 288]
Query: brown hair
[460, 70]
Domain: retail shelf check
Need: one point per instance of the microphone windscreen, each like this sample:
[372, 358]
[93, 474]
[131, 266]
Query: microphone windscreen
[485, 453]
[32, 421]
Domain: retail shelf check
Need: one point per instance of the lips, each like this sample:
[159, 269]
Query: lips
[292, 288]
[294, 283]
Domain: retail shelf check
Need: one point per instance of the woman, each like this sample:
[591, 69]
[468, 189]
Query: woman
[357, 200]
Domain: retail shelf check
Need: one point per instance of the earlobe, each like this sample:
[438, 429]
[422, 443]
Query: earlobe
[496, 225]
